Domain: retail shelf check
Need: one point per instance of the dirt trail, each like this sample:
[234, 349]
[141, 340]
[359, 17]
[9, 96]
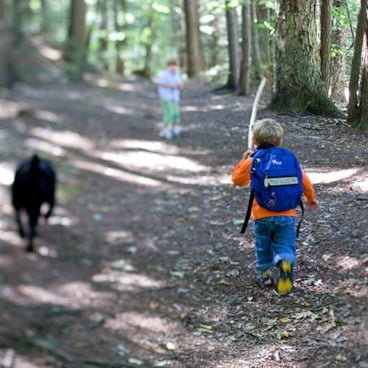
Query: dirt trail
[142, 264]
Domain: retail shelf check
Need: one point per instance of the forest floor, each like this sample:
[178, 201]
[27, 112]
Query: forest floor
[142, 263]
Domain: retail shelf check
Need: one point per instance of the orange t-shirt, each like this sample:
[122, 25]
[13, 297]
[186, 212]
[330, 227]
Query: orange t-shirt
[241, 177]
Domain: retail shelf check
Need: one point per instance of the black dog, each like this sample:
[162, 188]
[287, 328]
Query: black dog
[34, 184]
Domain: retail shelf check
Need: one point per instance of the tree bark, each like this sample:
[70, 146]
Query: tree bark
[299, 87]
[358, 97]
[338, 59]
[6, 79]
[363, 120]
[246, 60]
[75, 52]
[326, 16]
[353, 113]
[233, 46]
[119, 6]
[255, 37]
[214, 59]
[195, 59]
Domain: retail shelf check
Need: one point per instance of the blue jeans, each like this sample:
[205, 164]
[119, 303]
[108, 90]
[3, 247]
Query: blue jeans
[275, 239]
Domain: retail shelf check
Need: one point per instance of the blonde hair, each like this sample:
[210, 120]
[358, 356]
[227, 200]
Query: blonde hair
[267, 131]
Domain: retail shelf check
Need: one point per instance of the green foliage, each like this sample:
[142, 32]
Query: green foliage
[147, 33]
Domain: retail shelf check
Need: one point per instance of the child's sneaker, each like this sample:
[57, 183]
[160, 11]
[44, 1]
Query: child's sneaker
[166, 133]
[176, 131]
[265, 278]
[285, 282]
[162, 133]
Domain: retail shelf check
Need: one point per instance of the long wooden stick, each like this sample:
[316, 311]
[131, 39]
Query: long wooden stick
[254, 112]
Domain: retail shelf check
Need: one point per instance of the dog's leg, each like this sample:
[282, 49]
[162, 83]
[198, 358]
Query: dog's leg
[30, 247]
[19, 223]
[33, 221]
[50, 209]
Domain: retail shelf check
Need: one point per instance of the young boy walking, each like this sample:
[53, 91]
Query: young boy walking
[274, 231]
[169, 86]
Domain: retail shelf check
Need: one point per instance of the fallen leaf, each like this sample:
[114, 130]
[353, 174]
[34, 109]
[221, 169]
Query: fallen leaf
[177, 274]
[281, 335]
[285, 320]
[135, 361]
[271, 323]
[237, 221]
[341, 358]
[122, 264]
[154, 304]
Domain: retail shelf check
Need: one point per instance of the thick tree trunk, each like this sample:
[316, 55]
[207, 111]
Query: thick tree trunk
[299, 86]
[194, 52]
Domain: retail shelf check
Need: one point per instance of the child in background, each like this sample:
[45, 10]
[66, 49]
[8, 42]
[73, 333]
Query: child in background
[169, 86]
[275, 232]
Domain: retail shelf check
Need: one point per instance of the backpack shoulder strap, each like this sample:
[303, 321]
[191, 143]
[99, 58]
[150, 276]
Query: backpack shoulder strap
[247, 215]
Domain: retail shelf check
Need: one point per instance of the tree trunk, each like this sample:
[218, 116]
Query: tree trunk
[264, 43]
[214, 59]
[120, 42]
[363, 111]
[326, 14]
[246, 60]
[358, 98]
[103, 34]
[338, 59]
[194, 52]
[18, 15]
[2, 12]
[75, 48]
[148, 43]
[356, 65]
[6, 77]
[45, 16]
[255, 36]
[233, 46]
[299, 87]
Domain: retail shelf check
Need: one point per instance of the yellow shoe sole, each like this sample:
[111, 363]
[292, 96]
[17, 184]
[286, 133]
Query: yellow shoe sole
[284, 283]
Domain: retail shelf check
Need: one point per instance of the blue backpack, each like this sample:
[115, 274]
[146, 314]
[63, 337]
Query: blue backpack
[276, 181]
